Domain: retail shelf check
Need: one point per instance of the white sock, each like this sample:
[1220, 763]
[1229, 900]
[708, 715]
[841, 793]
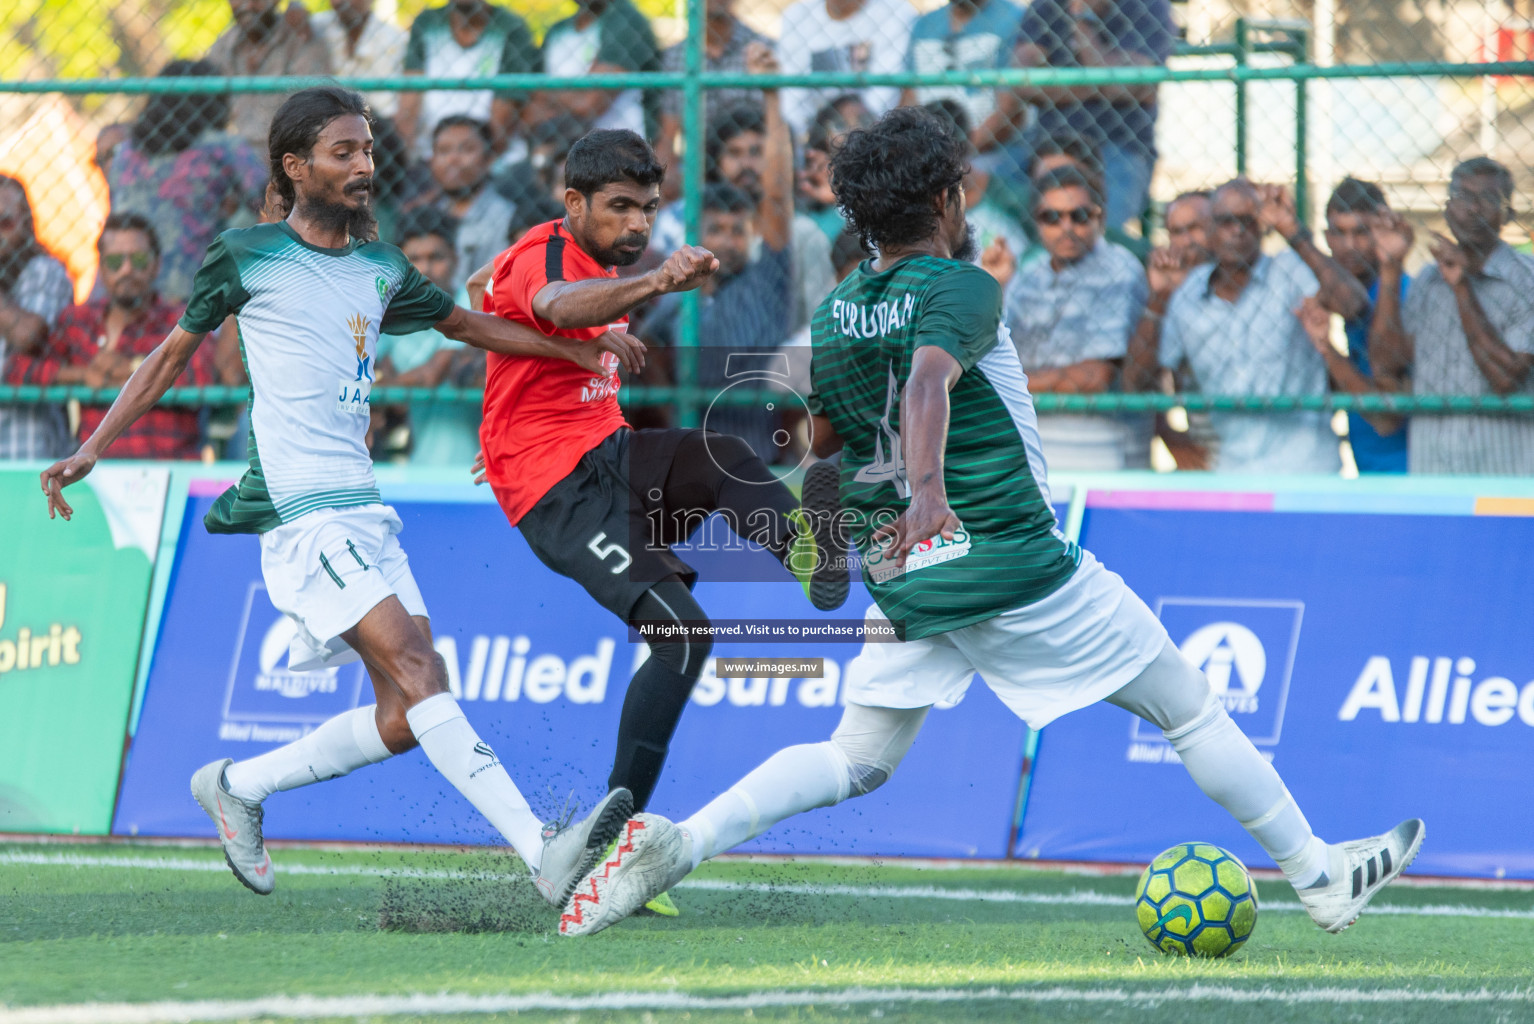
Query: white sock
[1234, 775]
[467, 761]
[338, 747]
[794, 780]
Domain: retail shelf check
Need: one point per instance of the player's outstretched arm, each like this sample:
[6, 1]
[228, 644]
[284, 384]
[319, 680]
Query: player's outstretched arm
[924, 409]
[497, 334]
[155, 375]
[601, 300]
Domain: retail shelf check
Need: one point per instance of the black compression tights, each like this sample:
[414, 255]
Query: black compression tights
[721, 473]
[659, 690]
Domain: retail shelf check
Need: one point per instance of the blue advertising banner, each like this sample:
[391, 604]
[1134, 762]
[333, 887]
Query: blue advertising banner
[540, 670]
[1383, 662]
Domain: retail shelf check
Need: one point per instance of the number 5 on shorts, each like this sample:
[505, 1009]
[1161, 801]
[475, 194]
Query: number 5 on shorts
[596, 548]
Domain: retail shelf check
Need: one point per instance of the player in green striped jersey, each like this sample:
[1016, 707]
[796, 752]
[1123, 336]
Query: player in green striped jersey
[917, 384]
[310, 296]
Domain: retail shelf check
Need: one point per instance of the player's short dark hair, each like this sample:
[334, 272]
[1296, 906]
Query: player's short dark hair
[130, 222]
[1066, 177]
[1483, 166]
[885, 177]
[722, 197]
[1354, 196]
[611, 155]
[297, 125]
[428, 221]
[480, 128]
[1197, 193]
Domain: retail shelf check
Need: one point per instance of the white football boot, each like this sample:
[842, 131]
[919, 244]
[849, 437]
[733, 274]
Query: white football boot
[1357, 870]
[239, 827]
[652, 855]
[571, 851]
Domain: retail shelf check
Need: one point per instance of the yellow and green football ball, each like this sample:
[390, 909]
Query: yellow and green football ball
[1196, 900]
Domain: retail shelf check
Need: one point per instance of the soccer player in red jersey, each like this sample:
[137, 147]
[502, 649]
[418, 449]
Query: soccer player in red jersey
[598, 501]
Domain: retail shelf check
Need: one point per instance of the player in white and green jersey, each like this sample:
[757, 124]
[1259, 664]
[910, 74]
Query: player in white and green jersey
[310, 296]
[918, 386]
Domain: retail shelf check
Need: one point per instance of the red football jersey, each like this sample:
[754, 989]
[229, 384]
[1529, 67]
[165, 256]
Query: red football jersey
[542, 415]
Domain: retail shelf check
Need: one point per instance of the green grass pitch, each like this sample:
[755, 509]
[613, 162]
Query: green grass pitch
[448, 935]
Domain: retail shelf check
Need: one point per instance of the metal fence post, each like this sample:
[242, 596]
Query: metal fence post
[1241, 44]
[686, 362]
[1301, 129]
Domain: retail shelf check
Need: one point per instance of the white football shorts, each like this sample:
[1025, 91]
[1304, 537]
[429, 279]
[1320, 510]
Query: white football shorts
[1070, 650]
[328, 569]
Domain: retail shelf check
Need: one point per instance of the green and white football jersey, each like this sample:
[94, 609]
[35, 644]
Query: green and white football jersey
[1010, 551]
[309, 320]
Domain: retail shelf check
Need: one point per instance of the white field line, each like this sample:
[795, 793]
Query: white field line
[301, 1007]
[1069, 898]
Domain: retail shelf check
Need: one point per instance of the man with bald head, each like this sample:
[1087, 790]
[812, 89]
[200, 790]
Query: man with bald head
[1231, 328]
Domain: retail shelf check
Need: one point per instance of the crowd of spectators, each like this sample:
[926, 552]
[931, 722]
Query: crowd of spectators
[1240, 300]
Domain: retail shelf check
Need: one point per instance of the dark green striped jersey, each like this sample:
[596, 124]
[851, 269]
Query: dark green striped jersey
[308, 321]
[1010, 551]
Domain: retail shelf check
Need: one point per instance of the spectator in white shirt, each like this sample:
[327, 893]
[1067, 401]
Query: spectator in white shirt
[842, 35]
[363, 45]
[1233, 326]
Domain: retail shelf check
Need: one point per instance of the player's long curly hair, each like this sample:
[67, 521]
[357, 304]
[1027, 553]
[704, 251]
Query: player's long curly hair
[886, 176]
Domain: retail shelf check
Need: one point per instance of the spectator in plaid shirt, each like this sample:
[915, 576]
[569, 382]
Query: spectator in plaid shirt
[100, 344]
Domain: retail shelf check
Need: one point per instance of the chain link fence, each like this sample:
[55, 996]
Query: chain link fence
[1162, 323]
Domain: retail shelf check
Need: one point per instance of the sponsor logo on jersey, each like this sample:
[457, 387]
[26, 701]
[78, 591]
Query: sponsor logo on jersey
[1246, 649]
[932, 551]
[1436, 691]
[606, 386]
[354, 396]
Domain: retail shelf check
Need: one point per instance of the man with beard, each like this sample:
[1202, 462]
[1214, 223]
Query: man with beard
[918, 386]
[600, 502]
[1466, 328]
[34, 289]
[310, 295]
[100, 344]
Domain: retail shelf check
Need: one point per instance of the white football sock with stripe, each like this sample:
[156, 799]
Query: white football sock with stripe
[794, 780]
[338, 747]
[467, 761]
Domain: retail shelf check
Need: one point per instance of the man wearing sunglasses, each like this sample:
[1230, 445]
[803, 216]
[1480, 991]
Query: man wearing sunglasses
[1071, 316]
[1465, 328]
[100, 344]
[1231, 328]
